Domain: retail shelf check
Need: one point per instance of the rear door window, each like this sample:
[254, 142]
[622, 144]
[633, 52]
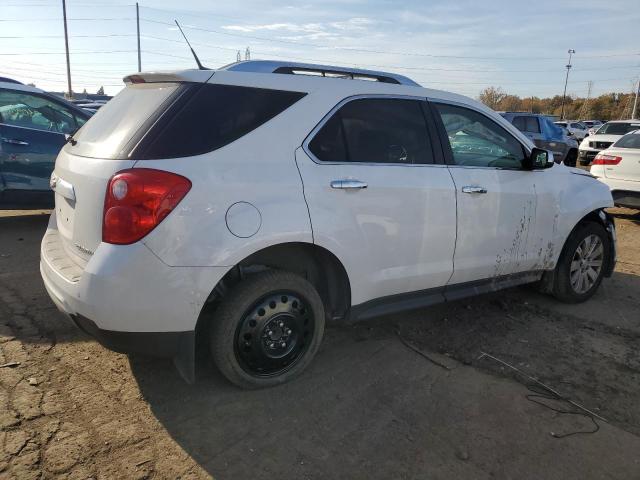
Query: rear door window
[375, 130]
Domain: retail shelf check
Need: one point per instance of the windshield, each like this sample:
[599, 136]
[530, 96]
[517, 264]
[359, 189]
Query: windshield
[631, 140]
[617, 128]
[109, 131]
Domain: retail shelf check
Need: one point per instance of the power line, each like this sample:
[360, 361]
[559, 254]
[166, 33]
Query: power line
[397, 67]
[364, 50]
[74, 53]
[58, 19]
[71, 36]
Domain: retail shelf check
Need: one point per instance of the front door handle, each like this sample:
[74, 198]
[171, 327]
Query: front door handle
[348, 184]
[474, 189]
[13, 141]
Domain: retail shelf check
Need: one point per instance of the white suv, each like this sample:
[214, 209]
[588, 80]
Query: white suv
[246, 206]
[604, 137]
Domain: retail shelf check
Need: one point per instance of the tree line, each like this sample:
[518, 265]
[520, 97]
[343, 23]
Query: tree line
[609, 106]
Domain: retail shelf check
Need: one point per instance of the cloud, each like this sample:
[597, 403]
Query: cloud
[308, 31]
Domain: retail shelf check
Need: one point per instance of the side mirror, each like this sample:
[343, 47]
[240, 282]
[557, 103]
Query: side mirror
[538, 159]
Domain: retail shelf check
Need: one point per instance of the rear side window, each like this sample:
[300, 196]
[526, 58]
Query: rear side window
[375, 130]
[526, 124]
[214, 116]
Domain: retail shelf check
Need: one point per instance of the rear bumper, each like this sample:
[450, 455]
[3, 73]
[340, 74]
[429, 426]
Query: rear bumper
[625, 193]
[128, 299]
[153, 344]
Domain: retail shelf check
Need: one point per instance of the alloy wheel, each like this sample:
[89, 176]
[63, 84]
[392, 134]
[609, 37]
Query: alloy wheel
[586, 264]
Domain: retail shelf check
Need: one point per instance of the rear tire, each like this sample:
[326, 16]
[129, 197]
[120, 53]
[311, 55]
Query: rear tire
[582, 264]
[267, 329]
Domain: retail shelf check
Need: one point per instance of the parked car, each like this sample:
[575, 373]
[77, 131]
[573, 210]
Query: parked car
[545, 134]
[246, 206]
[569, 139]
[33, 125]
[618, 167]
[604, 138]
[592, 125]
[577, 129]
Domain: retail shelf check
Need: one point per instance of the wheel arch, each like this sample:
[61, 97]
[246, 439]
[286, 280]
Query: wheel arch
[601, 217]
[317, 264]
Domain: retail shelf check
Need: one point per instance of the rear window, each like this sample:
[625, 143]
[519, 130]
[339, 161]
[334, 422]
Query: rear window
[617, 128]
[108, 134]
[171, 120]
[631, 140]
[526, 124]
[214, 116]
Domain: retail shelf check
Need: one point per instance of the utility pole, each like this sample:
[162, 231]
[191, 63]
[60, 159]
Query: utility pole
[583, 109]
[247, 54]
[138, 29]
[571, 51]
[635, 102]
[66, 46]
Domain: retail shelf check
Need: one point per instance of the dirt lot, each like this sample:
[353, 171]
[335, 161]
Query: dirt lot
[369, 407]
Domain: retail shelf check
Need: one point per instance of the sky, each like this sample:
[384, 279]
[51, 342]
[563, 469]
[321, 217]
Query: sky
[461, 46]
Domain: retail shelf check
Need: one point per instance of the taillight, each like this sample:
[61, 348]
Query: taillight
[137, 200]
[601, 159]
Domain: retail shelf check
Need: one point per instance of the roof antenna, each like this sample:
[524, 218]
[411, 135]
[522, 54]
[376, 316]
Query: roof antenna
[194, 53]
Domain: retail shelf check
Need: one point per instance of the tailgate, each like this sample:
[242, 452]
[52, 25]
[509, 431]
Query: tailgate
[80, 186]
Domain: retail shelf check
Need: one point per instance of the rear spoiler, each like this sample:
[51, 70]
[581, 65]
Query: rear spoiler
[194, 76]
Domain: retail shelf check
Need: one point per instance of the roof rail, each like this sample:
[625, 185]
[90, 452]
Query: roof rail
[295, 68]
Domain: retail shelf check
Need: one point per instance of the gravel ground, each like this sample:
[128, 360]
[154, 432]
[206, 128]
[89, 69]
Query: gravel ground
[369, 406]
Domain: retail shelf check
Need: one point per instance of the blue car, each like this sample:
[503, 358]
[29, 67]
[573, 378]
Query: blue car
[33, 125]
[546, 135]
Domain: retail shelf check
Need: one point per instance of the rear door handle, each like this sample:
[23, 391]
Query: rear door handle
[348, 184]
[13, 141]
[473, 189]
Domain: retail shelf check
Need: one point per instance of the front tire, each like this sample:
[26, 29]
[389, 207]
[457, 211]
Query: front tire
[267, 330]
[582, 264]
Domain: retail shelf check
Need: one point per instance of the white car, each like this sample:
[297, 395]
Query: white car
[604, 137]
[577, 129]
[592, 125]
[248, 205]
[618, 167]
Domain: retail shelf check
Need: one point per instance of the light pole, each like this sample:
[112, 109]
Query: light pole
[635, 102]
[66, 48]
[571, 51]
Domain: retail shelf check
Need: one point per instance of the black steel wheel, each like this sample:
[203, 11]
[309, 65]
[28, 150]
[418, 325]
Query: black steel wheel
[274, 333]
[267, 330]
